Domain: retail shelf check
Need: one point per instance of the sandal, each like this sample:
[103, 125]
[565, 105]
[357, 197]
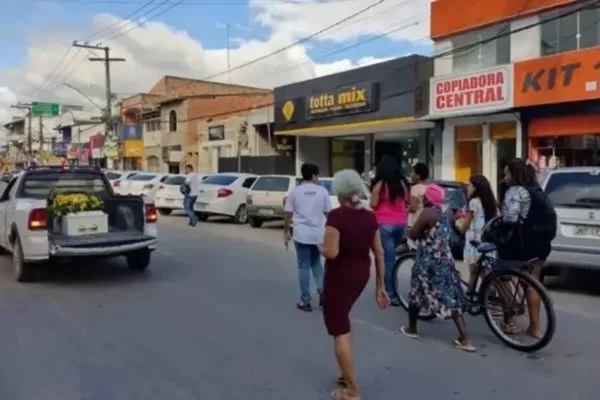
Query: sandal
[341, 381]
[469, 348]
[405, 332]
[342, 394]
[510, 328]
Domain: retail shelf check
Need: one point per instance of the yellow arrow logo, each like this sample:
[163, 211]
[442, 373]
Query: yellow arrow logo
[288, 110]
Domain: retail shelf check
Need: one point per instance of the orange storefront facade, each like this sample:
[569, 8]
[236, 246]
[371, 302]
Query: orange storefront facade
[559, 101]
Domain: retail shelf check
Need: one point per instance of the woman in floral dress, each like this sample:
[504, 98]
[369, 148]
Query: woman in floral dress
[435, 282]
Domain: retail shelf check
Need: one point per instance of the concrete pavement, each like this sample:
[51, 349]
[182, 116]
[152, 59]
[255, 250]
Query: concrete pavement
[214, 319]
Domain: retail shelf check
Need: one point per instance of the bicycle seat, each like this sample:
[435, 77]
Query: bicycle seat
[483, 247]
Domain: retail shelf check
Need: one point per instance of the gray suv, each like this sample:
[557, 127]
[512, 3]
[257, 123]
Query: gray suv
[575, 192]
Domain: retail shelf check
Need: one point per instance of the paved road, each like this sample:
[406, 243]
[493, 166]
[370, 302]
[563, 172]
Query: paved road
[214, 318]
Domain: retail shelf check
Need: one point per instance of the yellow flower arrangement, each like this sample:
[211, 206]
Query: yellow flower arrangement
[72, 203]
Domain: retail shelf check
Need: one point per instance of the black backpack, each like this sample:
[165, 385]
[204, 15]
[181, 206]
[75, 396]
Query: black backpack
[541, 220]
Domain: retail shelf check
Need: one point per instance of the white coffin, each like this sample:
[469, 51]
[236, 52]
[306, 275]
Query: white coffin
[85, 223]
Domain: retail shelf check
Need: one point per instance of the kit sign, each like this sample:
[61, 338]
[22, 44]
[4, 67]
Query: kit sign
[481, 91]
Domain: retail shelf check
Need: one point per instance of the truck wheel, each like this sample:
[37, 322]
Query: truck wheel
[165, 211]
[24, 272]
[255, 222]
[139, 260]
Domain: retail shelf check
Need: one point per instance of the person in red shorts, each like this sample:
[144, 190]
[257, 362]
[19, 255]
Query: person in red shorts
[351, 234]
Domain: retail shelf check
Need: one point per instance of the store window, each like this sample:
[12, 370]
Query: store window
[574, 31]
[481, 48]
[566, 151]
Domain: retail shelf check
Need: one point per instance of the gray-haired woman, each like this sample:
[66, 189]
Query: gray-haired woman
[350, 235]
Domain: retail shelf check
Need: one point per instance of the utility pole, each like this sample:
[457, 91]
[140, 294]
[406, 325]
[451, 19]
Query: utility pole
[41, 136]
[27, 106]
[106, 60]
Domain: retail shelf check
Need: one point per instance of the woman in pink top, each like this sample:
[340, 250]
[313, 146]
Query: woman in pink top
[390, 197]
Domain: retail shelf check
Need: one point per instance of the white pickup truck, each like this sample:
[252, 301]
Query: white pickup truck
[26, 224]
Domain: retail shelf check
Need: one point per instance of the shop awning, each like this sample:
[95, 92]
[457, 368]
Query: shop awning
[360, 128]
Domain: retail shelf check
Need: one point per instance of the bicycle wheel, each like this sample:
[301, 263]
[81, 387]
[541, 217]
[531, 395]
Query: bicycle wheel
[507, 288]
[402, 270]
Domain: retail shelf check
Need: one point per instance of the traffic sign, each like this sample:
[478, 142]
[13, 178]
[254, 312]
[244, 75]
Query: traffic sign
[47, 109]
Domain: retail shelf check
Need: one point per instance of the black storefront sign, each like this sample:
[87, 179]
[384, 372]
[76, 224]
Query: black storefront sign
[216, 133]
[392, 89]
[354, 99]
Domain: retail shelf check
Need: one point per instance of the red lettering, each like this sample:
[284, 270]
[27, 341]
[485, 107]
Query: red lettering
[480, 89]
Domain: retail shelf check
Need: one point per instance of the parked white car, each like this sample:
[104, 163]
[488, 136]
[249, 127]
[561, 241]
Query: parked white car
[327, 183]
[116, 177]
[29, 232]
[168, 196]
[266, 198]
[224, 194]
[142, 184]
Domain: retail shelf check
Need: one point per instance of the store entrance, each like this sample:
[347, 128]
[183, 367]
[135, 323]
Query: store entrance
[404, 148]
[348, 152]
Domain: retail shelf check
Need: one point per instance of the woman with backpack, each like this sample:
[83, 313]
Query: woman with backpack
[390, 196]
[527, 214]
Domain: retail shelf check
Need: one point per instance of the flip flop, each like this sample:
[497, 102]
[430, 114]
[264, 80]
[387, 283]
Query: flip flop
[469, 348]
[340, 394]
[405, 332]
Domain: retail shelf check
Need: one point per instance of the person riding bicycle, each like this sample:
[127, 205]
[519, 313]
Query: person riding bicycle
[524, 232]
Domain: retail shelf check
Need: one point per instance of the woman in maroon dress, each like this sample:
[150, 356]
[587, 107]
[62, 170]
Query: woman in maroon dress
[350, 236]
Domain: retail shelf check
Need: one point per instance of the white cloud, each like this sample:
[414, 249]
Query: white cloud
[155, 49]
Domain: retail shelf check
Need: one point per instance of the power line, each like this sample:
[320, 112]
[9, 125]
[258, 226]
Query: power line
[140, 21]
[409, 66]
[117, 23]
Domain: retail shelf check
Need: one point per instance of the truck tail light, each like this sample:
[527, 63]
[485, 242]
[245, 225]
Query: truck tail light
[38, 218]
[224, 193]
[249, 199]
[147, 187]
[151, 213]
[117, 183]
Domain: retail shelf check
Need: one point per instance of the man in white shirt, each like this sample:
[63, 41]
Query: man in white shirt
[307, 205]
[192, 181]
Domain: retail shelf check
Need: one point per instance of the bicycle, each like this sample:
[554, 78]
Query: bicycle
[502, 282]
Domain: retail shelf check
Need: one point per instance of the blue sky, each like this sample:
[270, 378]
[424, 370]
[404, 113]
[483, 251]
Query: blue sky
[202, 19]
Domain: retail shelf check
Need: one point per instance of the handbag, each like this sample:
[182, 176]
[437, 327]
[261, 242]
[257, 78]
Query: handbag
[185, 189]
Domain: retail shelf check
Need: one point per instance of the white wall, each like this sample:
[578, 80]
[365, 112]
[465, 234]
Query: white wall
[314, 150]
[524, 45]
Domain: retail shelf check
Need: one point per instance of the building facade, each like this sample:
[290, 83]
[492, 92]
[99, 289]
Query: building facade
[171, 126]
[503, 69]
[352, 119]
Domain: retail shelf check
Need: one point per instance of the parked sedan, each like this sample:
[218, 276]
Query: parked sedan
[224, 194]
[117, 177]
[168, 196]
[142, 184]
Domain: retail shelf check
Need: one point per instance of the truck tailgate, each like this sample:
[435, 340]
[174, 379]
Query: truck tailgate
[112, 243]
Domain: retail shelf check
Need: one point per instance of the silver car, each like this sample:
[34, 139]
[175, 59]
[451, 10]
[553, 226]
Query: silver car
[575, 193]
